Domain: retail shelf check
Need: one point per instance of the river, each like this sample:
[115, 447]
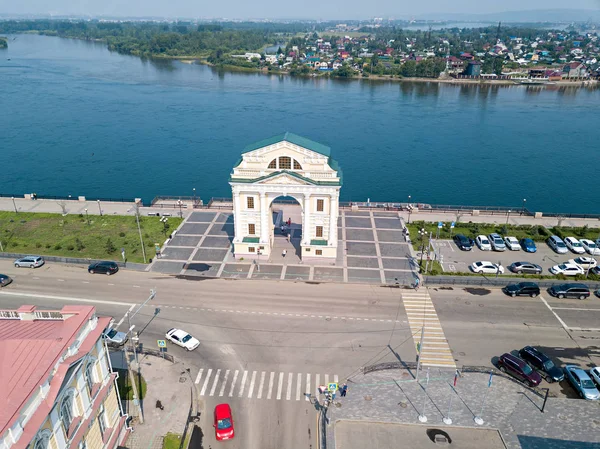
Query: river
[80, 120]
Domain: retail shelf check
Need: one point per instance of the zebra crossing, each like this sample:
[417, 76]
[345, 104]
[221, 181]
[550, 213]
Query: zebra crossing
[273, 385]
[423, 319]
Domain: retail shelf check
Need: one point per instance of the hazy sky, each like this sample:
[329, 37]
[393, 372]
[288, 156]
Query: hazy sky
[314, 9]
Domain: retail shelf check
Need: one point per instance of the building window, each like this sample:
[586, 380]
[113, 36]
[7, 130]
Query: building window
[320, 205]
[319, 232]
[251, 249]
[252, 229]
[273, 164]
[250, 202]
[297, 165]
[66, 413]
[318, 252]
[101, 421]
[43, 441]
[285, 163]
[89, 376]
[83, 444]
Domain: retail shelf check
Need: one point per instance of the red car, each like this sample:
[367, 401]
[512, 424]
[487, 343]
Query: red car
[223, 422]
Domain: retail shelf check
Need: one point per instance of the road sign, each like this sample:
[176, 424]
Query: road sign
[161, 343]
[333, 386]
[440, 224]
[452, 225]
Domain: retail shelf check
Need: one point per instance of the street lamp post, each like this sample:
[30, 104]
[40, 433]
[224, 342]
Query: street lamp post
[99, 208]
[194, 204]
[180, 203]
[87, 217]
[14, 205]
[523, 210]
[409, 209]
[258, 260]
[507, 216]
[422, 234]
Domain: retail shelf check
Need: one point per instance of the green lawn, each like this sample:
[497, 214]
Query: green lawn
[171, 441]
[72, 235]
[125, 387]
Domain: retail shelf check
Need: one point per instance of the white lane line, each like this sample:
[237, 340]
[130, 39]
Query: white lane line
[575, 308]
[307, 394]
[205, 382]
[235, 376]
[288, 394]
[317, 379]
[299, 386]
[251, 389]
[60, 280]
[222, 391]
[136, 286]
[243, 384]
[199, 376]
[84, 282]
[260, 387]
[65, 298]
[335, 378]
[279, 386]
[562, 323]
[216, 381]
[111, 284]
[326, 380]
[270, 385]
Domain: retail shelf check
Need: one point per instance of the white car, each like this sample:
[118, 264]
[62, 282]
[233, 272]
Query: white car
[595, 374]
[182, 338]
[584, 262]
[512, 243]
[487, 267]
[590, 247]
[574, 245]
[483, 243]
[567, 269]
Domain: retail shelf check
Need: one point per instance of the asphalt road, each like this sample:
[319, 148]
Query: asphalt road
[280, 340]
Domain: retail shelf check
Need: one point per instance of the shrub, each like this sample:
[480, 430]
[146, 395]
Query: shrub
[14, 244]
[58, 246]
[109, 246]
[38, 245]
[80, 215]
[70, 247]
[121, 234]
[48, 245]
[79, 244]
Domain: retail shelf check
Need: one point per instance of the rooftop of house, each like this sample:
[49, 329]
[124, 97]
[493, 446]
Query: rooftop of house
[292, 138]
[32, 342]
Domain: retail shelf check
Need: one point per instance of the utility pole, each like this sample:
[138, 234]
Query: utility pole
[137, 218]
[99, 208]
[14, 205]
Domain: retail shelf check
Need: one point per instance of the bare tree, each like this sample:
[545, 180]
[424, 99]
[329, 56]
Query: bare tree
[560, 219]
[63, 206]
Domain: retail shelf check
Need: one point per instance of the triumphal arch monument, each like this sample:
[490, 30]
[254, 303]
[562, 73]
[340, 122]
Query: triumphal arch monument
[288, 166]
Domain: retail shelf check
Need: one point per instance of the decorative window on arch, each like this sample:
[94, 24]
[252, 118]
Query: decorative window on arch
[285, 163]
[273, 164]
[66, 413]
[297, 165]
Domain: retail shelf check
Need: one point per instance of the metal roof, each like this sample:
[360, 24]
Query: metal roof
[292, 138]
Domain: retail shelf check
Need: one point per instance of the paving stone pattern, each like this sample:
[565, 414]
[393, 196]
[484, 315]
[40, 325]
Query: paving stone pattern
[394, 396]
[371, 249]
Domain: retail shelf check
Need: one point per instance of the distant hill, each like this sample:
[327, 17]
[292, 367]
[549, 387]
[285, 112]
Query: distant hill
[539, 15]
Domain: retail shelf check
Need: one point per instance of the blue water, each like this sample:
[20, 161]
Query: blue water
[80, 120]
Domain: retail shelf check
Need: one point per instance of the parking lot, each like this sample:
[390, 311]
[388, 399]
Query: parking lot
[456, 260]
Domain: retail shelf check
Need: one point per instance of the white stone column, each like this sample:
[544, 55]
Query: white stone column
[333, 218]
[264, 222]
[237, 217]
[306, 226]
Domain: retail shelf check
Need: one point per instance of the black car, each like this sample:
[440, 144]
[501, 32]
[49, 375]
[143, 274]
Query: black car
[103, 268]
[522, 289]
[574, 290]
[525, 267]
[542, 363]
[463, 242]
[5, 280]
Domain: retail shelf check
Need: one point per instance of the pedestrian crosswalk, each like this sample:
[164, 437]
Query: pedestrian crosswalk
[280, 386]
[423, 321]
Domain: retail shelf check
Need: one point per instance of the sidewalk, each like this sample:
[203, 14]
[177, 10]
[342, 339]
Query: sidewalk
[394, 397]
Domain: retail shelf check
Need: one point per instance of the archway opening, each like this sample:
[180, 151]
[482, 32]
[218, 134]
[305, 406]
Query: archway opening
[287, 229]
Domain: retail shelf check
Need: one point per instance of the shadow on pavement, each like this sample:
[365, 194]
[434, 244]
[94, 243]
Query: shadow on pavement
[196, 438]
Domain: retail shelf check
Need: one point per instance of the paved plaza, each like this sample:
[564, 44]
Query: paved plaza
[371, 249]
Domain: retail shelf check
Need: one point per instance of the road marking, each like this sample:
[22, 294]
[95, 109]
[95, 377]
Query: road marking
[85, 282]
[326, 379]
[60, 280]
[235, 376]
[562, 323]
[136, 286]
[260, 387]
[270, 384]
[222, 391]
[335, 378]
[317, 379]
[216, 381]
[575, 308]
[199, 376]
[279, 385]
[307, 393]
[288, 394]
[299, 386]
[65, 298]
[243, 384]
[205, 382]
[252, 380]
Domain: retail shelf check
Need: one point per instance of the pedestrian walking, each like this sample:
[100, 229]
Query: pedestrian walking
[284, 252]
[344, 390]
[289, 222]
[417, 280]
[289, 236]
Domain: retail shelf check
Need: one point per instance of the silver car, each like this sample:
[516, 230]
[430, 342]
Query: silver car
[115, 337]
[29, 262]
[497, 242]
[582, 383]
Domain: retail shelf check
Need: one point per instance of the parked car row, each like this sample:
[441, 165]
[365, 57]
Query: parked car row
[567, 290]
[496, 242]
[573, 267]
[532, 365]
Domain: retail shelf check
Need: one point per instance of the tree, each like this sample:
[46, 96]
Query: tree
[409, 69]
[109, 246]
